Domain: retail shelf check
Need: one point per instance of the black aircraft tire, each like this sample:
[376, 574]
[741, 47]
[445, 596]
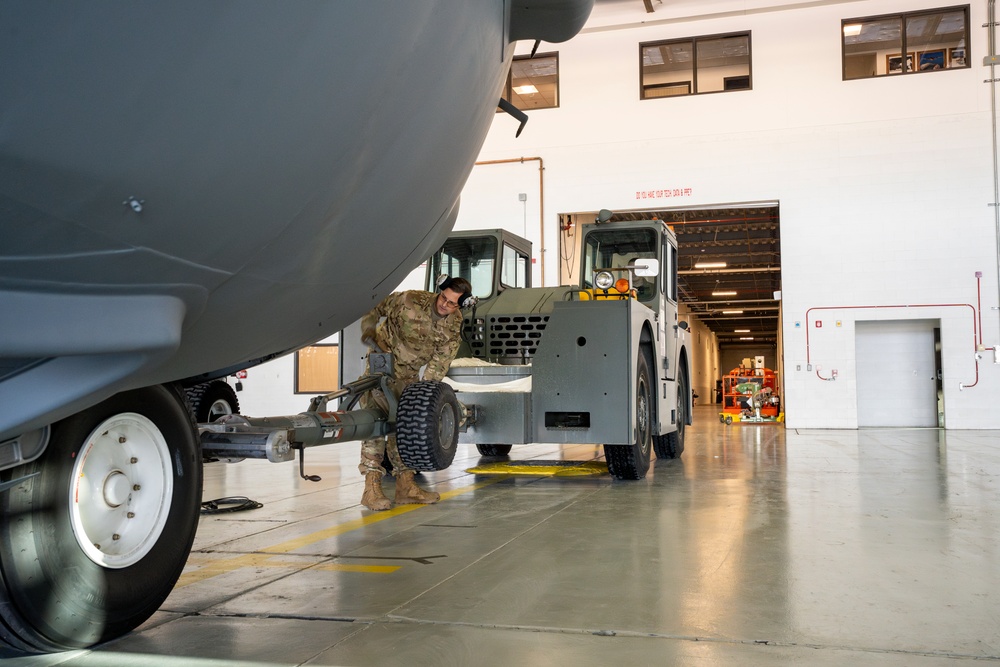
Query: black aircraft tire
[671, 445]
[427, 420]
[212, 400]
[493, 450]
[54, 594]
[632, 461]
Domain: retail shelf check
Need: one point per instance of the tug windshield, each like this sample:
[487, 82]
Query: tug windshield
[619, 248]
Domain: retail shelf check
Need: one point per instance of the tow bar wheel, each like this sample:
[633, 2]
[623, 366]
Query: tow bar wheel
[427, 421]
[121, 490]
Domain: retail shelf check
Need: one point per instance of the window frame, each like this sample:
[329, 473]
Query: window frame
[693, 82]
[670, 274]
[591, 252]
[524, 265]
[906, 51]
[465, 268]
[301, 368]
[508, 87]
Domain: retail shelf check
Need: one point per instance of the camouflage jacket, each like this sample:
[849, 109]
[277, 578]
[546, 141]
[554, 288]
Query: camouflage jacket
[414, 335]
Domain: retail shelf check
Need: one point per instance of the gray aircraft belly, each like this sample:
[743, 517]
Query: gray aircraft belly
[186, 186]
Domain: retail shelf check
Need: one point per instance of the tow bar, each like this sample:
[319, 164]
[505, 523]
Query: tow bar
[276, 438]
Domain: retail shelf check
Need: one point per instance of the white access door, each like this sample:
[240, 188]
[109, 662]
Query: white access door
[897, 373]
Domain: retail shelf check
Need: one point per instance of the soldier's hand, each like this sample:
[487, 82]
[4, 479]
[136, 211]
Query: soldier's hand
[368, 339]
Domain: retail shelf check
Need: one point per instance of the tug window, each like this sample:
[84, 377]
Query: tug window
[616, 248]
[469, 258]
[514, 271]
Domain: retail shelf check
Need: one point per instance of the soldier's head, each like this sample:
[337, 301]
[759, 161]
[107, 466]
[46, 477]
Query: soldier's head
[453, 294]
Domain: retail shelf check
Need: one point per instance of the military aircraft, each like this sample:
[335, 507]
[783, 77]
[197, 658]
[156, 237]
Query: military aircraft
[188, 188]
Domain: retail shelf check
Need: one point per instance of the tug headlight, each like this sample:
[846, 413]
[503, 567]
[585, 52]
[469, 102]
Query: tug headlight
[604, 280]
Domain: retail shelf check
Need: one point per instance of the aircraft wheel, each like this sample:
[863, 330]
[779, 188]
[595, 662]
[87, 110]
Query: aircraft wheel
[493, 450]
[427, 420]
[92, 544]
[632, 461]
[212, 400]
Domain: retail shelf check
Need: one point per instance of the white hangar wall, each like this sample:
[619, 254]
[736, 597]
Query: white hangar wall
[883, 184]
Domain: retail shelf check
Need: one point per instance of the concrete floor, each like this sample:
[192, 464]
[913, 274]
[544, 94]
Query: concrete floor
[760, 546]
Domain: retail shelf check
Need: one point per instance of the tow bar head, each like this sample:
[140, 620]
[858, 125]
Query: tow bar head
[380, 363]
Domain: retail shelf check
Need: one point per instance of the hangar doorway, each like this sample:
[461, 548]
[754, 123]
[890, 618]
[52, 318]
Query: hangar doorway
[729, 282]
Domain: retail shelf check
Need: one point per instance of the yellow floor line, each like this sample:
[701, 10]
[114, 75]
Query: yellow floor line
[264, 559]
[340, 529]
[540, 469]
[222, 566]
[372, 569]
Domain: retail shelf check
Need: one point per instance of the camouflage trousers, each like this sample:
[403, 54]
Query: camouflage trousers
[374, 450]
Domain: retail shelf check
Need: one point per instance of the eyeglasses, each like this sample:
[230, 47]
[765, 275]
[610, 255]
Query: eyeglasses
[450, 304]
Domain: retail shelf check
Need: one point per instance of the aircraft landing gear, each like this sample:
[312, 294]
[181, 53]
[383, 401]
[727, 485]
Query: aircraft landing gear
[92, 544]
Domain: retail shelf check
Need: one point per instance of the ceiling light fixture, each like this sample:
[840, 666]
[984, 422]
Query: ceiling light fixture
[526, 89]
[741, 331]
[852, 30]
[732, 312]
[725, 293]
[710, 265]
[746, 337]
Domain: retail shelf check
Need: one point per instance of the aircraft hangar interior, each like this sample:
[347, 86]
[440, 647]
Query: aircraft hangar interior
[724, 392]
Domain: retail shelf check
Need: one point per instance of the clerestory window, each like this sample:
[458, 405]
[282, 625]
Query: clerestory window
[908, 43]
[694, 65]
[533, 82]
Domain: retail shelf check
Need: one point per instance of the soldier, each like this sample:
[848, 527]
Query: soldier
[419, 328]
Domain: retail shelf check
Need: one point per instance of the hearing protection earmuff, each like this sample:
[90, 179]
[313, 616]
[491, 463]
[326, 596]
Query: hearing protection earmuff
[445, 281]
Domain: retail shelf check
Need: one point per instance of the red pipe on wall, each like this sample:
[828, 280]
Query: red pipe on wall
[976, 317]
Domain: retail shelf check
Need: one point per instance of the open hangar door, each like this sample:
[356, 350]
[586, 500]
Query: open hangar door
[729, 282]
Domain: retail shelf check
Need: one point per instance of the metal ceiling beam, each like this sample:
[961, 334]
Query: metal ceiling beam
[751, 310]
[708, 272]
[721, 300]
[740, 318]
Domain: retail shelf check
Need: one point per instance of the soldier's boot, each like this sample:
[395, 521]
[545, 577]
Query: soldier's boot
[408, 493]
[373, 498]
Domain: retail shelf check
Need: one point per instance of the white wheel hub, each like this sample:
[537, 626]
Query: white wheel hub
[121, 490]
[219, 408]
[116, 489]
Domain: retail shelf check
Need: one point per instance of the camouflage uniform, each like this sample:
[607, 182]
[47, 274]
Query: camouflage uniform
[415, 335]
